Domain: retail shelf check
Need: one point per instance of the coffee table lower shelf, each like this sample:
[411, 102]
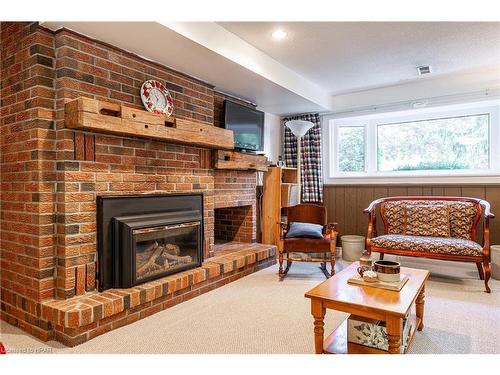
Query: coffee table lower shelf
[337, 342]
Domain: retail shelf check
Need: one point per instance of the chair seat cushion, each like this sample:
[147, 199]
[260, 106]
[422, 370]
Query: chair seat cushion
[307, 245]
[440, 245]
[309, 230]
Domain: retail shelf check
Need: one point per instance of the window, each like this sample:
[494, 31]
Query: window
[425, 143]
[434, 144]
[351, 145]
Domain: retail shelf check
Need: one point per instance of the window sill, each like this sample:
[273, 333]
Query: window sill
[418, 180]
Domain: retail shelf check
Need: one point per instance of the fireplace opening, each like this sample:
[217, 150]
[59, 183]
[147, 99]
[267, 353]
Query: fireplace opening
[165, 249]
[142, 238]
[234, 224]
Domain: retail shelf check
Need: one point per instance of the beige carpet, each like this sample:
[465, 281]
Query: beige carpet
[258, 314]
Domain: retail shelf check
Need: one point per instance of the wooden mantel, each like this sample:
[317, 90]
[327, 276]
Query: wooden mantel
[239, 161]
[111, 118]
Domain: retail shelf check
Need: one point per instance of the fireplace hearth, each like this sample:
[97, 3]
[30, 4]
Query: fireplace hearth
[142, 238]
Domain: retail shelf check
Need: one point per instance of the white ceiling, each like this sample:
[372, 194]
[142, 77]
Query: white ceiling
[182, 51]
[323, 66]
[344, 57]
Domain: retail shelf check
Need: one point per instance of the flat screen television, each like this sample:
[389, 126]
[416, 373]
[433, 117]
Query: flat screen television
[247, 125]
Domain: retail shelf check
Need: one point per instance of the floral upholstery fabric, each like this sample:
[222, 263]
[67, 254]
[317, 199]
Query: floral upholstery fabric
[461, 216]
[440, 245]
[394, 213]
[427, 220]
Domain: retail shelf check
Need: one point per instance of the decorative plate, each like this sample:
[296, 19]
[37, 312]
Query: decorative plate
[156, 98]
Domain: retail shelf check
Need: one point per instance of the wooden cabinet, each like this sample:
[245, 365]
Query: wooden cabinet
[280, 191]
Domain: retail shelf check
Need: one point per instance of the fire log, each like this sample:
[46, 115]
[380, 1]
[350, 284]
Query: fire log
[180, 259]
[157, 252]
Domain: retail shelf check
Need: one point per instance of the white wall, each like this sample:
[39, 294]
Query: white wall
[272, 136]
[474, 83]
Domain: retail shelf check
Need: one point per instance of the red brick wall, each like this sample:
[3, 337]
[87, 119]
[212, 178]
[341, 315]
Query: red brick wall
[117, 165]
[235, 224]
[234, 196]
[233, 190]
[28, 171]
[51, 175]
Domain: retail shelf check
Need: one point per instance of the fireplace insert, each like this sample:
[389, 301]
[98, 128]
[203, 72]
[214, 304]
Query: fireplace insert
[142, 238]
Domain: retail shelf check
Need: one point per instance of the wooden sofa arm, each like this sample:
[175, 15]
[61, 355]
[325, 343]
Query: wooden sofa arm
[372, 218]
[487, 215]
[373, 205]
[487, 210]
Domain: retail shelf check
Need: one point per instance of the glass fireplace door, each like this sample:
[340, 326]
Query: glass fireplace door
[165, 249]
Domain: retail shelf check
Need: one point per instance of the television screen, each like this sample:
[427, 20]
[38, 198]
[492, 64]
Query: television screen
[247, 125]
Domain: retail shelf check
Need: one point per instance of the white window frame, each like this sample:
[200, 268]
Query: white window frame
[331, 123]
[335, 141]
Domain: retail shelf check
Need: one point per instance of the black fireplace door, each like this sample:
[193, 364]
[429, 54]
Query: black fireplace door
[144, 237]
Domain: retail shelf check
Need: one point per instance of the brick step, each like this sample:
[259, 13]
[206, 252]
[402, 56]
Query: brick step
[81, 318]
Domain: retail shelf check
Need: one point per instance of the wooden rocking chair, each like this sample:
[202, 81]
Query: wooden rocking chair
[307, 213]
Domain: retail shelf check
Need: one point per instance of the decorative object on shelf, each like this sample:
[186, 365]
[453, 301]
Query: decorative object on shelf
[299, 128]
[156, 98]
[280, 162]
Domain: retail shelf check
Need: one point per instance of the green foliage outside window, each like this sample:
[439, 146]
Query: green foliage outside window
[437, 144]
[351, 148]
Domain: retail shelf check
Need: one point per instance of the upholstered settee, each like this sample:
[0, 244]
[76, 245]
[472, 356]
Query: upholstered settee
[432, 227]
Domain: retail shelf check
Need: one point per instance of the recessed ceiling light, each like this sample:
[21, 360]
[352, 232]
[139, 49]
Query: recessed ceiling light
[279, 34]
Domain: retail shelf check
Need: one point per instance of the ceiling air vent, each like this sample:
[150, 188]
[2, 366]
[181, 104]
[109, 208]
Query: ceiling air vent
[424, 69]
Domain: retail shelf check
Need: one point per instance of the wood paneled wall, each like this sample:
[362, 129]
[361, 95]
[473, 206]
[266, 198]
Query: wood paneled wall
[345, 203]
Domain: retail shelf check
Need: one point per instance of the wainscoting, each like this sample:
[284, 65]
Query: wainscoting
[345, 203]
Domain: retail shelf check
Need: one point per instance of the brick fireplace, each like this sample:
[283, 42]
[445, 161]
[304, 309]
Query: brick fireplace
[235, 206]
[51, 177]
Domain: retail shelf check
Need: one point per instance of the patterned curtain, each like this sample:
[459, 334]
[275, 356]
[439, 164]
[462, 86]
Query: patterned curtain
[311, 170]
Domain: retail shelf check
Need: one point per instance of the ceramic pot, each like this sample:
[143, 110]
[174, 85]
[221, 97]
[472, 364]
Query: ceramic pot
[387, 270]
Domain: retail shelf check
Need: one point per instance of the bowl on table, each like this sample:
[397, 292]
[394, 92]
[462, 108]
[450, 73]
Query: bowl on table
[387, 270]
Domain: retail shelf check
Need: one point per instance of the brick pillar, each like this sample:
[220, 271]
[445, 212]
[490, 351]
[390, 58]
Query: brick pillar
[28, 173]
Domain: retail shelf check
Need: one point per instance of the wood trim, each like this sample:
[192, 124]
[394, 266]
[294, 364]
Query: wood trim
[79, 144]
[345, 204]
[271, 210]
[205, 158]
[421, 254]
[89, 147]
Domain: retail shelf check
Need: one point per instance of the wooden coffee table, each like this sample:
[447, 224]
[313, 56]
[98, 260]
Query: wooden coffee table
[381, 304]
